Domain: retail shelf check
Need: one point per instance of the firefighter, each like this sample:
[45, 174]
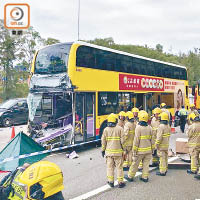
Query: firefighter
[129, 131]
[192, 110]
[121, 119]
[194, 143]
[41, 180]
[183, 118]
[155, 122]
[142, 148]
[112, 146]
[140, 167]
[162, 143]
[135, 112]
[163, 108]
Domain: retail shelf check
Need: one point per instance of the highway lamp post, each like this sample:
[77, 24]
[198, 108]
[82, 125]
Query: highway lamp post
[78, 17]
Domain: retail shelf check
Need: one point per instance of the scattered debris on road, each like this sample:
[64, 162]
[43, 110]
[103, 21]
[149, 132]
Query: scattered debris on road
[72, 155]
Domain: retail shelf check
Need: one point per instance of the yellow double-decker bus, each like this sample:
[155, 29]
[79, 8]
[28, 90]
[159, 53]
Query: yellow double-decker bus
[81, 83]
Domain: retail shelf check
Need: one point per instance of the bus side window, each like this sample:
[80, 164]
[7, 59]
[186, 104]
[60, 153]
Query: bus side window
[151, 68]
[119, 66]
[85, 57]
[158, 70]
[168, 71]
[183, 74]
[176, 73]
[127, 64]
[100, 60]
[109, 60]
[135, 66]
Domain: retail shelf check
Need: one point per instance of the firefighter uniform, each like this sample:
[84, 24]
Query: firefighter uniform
[163, 107]
[135, 112]
[192, 110]
[140, 165]
[194, 143]
[142, 148]
[155, 122]
[121, 119]
[112, 144]
[162, 143]
[19, 190]
[42, 180]
[129, 131]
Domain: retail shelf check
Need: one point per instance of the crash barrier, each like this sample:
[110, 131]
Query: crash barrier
[46, 151]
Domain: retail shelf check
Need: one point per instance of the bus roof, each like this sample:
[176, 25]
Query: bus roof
[125, 53]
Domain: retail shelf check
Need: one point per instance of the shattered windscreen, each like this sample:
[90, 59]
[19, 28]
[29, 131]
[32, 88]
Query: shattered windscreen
[33, 101]
[52, 59]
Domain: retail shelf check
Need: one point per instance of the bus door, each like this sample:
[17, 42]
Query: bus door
[140, 101]
[84, 117]
[144, 101]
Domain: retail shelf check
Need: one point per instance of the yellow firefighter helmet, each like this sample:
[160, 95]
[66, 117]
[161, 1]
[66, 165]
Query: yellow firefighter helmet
[43, 179]
[129, 115]
[112, 118]
[135, 110]
[162, 105]
[164, 116]
[140, 112]
[192, 116]
[192, 106]
[144, 116]
[122, 114]
[157, 111]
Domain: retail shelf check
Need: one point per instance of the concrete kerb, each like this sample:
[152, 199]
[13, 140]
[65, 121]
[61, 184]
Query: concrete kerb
[106, 187]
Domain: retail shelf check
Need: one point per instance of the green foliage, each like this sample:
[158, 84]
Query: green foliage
[18, 50]
[191, 60]
[50, 41]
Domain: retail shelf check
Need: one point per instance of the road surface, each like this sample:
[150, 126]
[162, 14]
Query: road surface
[86, 177]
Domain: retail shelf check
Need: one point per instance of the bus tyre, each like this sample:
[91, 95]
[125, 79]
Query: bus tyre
[7, 122]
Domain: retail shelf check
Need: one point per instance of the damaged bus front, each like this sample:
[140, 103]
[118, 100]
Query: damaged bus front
[50, 97]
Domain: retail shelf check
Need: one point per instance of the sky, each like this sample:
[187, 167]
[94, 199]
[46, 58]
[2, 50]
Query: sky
[175, 24]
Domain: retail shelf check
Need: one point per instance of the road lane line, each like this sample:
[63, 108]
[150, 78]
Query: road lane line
[107, 187]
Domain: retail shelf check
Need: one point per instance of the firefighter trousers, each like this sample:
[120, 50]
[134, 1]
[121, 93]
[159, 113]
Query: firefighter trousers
[129, 157]
[112, 162]
[155, 158]
[145, 158]
[194, 160]
[163, 164]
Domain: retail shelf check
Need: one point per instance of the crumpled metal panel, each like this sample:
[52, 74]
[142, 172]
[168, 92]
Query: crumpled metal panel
[39, 81]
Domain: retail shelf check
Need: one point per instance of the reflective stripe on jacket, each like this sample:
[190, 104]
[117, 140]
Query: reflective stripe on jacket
[143, 141]
[194, 136]
[163, 135]
[19, 189]
[129, 132]
[112, 141]
[182, 112]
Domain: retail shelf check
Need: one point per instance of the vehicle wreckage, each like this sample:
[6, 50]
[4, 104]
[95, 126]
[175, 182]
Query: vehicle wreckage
[50, 110]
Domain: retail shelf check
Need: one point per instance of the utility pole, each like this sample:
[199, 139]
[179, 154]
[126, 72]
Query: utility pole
[78, 17]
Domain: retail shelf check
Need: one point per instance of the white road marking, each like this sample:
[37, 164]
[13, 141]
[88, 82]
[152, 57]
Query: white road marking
[106, 187]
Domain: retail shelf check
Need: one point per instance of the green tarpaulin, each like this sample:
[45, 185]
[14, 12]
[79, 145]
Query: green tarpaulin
[21, 144]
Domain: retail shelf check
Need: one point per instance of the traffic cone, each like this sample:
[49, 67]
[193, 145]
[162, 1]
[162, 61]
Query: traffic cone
[13, 133]
[172, 129]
